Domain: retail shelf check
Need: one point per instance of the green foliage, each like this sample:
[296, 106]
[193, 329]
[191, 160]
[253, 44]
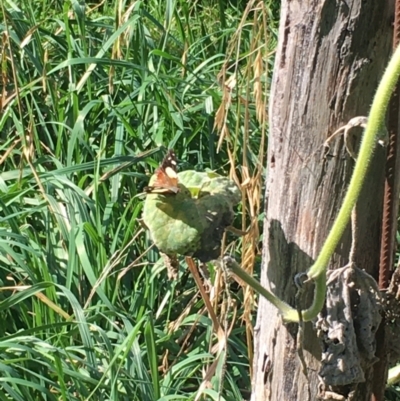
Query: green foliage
[392, 393]
[91, 92]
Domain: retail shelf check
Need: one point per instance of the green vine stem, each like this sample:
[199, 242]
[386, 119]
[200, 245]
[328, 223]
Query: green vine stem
[374, 131]
[233, 266]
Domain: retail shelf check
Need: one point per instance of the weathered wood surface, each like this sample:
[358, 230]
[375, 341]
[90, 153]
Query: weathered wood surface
[330, 58]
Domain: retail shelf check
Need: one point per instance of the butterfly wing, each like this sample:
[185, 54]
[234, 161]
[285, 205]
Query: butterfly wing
[166, 181]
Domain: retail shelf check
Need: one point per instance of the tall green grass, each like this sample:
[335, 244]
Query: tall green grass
[92, 94]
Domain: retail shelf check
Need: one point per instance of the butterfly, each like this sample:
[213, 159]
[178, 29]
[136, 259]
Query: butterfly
[166, 181]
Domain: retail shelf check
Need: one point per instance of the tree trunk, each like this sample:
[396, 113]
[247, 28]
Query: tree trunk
[331, 56]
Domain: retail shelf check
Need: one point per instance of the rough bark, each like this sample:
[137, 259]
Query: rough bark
[330, 58]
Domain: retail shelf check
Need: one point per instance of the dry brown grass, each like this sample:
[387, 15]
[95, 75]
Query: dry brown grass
[245, 89]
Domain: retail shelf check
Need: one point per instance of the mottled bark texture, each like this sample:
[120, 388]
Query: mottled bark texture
[331, 56]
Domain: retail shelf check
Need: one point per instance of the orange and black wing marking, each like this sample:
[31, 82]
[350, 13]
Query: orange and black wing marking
[166, 181]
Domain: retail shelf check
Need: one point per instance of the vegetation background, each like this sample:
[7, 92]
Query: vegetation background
[92, 94]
